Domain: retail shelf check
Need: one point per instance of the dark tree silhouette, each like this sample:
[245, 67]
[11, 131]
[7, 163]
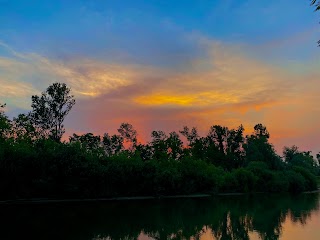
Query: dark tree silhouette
[175, 145]
[35, 163]
[260, 131]
[24, 128]
[191, 135]
[50, 109]
[4, 122]
[112, 144]
[316, 4]
[159, 144]
[129, 134]
[290, 152]
[219, 136]
[88, 141]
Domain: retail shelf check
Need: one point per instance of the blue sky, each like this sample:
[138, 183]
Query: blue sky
[162, 64]
[145, 30]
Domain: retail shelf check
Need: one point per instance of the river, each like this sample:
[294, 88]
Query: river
[257, 216]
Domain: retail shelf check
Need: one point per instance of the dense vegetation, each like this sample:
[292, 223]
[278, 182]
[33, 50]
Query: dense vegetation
[34, 162]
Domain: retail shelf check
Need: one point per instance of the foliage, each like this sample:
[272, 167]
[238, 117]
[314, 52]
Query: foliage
[4, 123]
[316, 3]
[258, 148]
[295, 158]
[89, 166]
[129, 134]
[50, 109]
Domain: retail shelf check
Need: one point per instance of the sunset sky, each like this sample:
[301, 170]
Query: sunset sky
[160, 65]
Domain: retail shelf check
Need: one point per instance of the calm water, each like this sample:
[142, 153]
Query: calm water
[227, 217]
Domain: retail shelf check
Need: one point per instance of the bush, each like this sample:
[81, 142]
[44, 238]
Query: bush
[199, 176]
[279, 182]
[49, 169]
[239, 180]
[245, 179]
[263, 175]
[310, 179]
[297, 182]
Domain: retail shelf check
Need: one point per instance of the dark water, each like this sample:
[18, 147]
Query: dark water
[260, 216]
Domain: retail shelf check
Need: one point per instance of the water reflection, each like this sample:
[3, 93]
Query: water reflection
[224, 218]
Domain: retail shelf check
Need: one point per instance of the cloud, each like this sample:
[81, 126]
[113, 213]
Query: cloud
[227, 85]
[22, 75]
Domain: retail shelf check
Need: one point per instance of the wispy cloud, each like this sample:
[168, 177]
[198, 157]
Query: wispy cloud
[226, 86]
[23, 74]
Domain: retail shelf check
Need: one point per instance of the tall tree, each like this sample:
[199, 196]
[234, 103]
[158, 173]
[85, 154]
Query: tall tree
[175, 145]
[159, 144]
[112, 144]
[219, 135]
[258, 148]
[129, 134]
[260, 131]
[191, 135]
[24, 129]
[50, 109]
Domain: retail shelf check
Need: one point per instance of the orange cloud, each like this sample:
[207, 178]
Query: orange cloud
[228, 86]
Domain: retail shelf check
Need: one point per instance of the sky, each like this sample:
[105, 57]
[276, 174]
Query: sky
[161, 65]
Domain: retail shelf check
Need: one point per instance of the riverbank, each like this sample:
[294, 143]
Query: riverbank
[90, 200]
[42, 200]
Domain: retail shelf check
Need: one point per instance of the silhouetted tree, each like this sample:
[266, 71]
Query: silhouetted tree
[24, 129]
[174, 145]
[129, 134]
[258, 148]
[50, 109]
[191, 135]
[260, 131]
[87, 141]
[289, 153]
[5, 123]
[112, 144]
[145, 151]
[229, 142]
[219, 135]
[37, 165]
[294, 157]
[159, 144]
[235, 143]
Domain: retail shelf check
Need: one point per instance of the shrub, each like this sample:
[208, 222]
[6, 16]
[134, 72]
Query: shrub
[310, 179]
[297, 182]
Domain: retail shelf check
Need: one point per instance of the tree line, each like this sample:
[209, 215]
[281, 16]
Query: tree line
[35, 162]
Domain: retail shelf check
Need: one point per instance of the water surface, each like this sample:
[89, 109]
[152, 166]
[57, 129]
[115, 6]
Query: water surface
[260, 216]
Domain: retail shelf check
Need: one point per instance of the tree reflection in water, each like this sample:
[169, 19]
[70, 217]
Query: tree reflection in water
[226, 217]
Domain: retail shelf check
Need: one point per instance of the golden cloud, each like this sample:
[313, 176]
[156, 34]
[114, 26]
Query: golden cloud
[228, 86]
[197, 99]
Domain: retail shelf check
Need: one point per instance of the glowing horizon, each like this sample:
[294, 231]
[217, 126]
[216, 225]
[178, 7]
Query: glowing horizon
[163, 66]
